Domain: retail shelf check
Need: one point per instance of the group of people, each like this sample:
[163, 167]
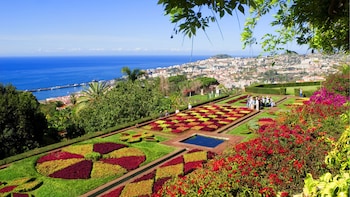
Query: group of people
[258, 103]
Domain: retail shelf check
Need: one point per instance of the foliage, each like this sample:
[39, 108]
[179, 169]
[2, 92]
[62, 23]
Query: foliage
[132, 75]
[207, 81]
[323, 26]
[22, 125]
[92, 94]
[327, 184]
[339, 82]
[128, 101]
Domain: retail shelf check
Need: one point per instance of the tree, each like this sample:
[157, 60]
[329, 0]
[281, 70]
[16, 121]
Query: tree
[91, 94]
[132, 74]
[22, 125]
[127, 102]
[322, 25]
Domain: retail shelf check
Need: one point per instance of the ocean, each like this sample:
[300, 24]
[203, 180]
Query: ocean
[27, 73]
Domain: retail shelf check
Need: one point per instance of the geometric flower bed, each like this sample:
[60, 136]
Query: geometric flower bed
[298, 102]
[90, 161]
[137, 137]
[237, 99]
[265, 121]
[19, 187]
[150, 183]
[203, 118]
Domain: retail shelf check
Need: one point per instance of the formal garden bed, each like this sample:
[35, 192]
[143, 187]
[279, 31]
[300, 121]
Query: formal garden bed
[203, 118]
[77, 169]
[151, 182]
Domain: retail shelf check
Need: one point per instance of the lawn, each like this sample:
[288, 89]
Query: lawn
[27, 168]
[290, 90]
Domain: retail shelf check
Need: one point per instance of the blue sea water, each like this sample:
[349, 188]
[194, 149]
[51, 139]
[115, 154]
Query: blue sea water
[27, 73]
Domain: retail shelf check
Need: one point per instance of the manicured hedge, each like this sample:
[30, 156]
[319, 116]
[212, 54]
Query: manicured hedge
[280, 88]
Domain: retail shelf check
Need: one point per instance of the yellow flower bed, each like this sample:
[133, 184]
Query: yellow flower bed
[20, 181]
[195, 156]
[30, 186]
[79, 149]
[101, 169]
[197, 128]
[141, 188]
[50, 167]
[124, 152]
[169, 171]
[232, 118]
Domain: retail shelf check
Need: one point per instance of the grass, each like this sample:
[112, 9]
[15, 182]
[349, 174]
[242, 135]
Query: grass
[63, 187]
[290, 90]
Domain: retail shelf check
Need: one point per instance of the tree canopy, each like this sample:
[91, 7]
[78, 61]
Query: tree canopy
[22, 125]
[322, 25]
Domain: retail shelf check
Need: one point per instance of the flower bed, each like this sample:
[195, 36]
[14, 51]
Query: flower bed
[153, 181]
[236, 99]
[19, 187]
[138, 137]
[205, 118]
[266, 121]
[90, 161]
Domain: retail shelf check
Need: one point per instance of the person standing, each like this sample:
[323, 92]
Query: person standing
[257, 103]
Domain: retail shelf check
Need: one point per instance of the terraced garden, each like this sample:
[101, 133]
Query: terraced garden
[135, 162]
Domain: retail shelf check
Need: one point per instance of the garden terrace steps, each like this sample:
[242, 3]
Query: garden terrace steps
[128, 177]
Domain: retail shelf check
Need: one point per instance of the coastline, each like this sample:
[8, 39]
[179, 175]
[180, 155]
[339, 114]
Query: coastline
[239, 72]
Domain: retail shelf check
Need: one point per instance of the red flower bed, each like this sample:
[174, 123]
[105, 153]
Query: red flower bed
[79, 170]
[175, 161]
[236, 99]
[190, 166]
[7, 188]
[129, 163]
[107, 147]
[150, 175]
[20, 195]
[158, 183]
[57, 156]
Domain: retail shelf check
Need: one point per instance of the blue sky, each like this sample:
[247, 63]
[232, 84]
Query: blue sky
[109, 27]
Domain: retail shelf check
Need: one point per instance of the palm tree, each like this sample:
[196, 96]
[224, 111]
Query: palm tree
[91, 94]
[133, 74]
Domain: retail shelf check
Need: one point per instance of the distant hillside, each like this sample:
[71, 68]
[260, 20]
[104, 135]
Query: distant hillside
[221, 56]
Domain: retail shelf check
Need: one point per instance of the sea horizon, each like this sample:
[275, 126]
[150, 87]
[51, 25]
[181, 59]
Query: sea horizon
[37, 72]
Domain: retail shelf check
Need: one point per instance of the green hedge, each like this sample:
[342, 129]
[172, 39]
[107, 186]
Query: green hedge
[280, 88]
[309, 83]
[275, 90]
